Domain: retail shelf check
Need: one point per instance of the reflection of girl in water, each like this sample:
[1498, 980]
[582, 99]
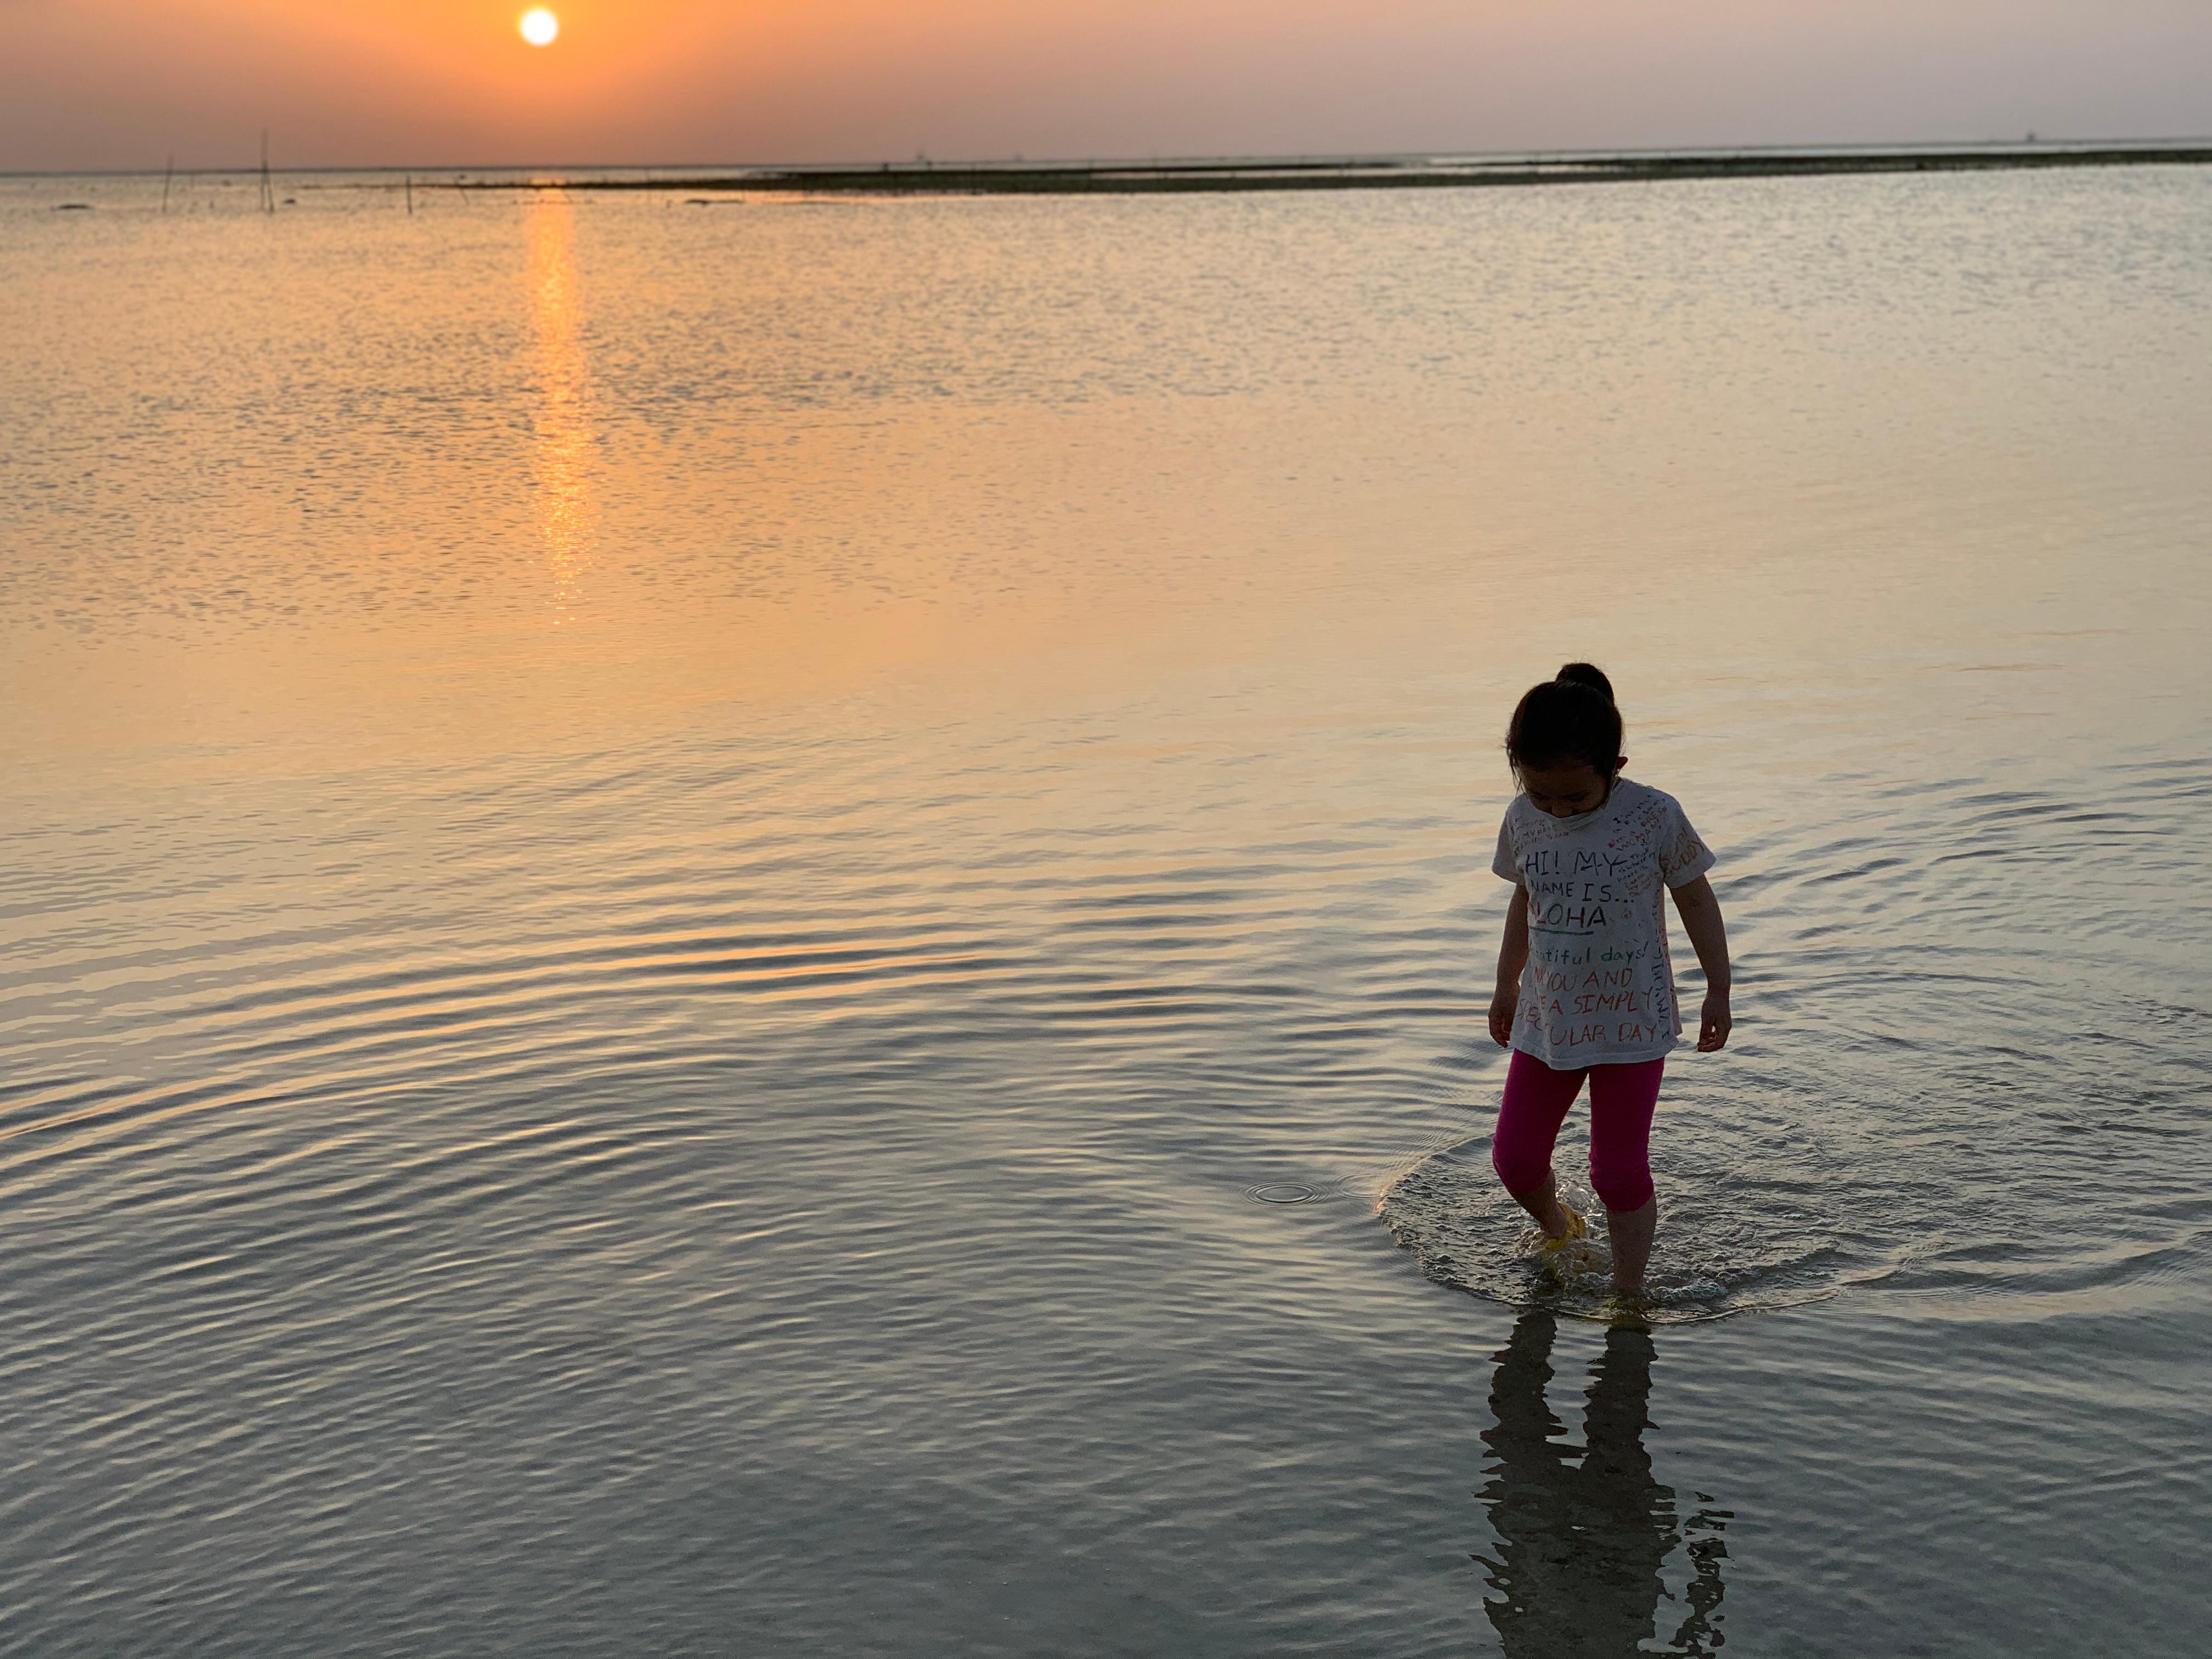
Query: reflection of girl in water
[1584, 1533]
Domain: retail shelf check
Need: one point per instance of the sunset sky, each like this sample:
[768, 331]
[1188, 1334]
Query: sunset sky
[124, 83]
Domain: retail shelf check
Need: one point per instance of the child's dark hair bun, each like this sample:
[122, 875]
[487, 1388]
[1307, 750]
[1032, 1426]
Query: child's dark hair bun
[1586, 673]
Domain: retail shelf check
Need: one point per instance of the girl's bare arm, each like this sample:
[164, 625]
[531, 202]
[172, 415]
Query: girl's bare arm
[1701, 919]
[1512, 955]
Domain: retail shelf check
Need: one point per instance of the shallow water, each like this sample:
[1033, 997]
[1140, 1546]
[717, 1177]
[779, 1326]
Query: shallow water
[683, 886]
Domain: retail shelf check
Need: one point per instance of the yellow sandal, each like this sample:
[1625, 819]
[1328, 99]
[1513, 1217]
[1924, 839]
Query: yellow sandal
[1577, 1230]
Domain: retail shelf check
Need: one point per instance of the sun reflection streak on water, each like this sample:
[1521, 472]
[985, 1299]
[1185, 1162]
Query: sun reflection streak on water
[561, 442]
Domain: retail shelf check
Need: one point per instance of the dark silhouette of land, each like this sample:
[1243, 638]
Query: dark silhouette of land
[1352, 173]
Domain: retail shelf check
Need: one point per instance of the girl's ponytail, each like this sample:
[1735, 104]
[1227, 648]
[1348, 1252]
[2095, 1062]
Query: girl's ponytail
[1586, 673]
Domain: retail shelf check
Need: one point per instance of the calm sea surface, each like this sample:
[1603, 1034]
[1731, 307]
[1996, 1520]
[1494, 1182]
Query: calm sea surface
[761, 927]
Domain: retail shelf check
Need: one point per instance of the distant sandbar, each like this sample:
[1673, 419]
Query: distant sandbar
[1125, 177]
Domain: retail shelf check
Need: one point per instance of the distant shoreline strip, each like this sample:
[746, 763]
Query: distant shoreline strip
[907, 178]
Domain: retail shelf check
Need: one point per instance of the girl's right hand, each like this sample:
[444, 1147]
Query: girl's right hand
[1503, 1007]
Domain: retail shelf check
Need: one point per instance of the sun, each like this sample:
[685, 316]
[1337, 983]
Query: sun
[539, 27]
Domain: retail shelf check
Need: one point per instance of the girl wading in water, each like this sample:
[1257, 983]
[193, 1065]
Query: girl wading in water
[1585, 988]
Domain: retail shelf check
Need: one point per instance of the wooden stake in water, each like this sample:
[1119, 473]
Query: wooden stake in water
[167, 173]
[268, 193]
[410, 196]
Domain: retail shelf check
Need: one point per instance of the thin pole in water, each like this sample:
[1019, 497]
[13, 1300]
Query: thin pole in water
[410, 196]
[268, 193]
[167, 173]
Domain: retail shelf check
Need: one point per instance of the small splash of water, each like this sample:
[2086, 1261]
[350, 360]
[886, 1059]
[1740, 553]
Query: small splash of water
[1727, 1245]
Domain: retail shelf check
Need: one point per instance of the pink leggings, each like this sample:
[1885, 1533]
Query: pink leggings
[1622, 1098]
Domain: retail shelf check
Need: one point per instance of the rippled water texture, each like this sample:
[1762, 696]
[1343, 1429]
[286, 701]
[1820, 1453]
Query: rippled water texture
[764, 928]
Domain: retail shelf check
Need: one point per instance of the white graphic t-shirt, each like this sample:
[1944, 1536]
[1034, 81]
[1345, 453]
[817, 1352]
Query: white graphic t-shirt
[1599, 988]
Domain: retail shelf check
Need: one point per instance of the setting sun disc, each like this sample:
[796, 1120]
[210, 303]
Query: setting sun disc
[539, 27]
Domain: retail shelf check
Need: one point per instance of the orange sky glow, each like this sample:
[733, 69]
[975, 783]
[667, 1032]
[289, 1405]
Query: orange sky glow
[119, 84]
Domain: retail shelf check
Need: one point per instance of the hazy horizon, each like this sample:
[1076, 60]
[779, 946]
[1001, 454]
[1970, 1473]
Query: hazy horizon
[95, 85]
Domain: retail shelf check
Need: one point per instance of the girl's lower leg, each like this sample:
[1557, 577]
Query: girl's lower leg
[1543, 1204]
[1630, 1233]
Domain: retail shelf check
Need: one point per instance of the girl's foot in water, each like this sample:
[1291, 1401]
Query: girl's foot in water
[1564, 1226]
[1558, 1221]
[1570, 1252]
[1564, 1245]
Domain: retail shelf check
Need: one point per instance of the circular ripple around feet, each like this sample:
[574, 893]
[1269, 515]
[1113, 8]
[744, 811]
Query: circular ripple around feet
[1282, 1191]
[1725, 1246]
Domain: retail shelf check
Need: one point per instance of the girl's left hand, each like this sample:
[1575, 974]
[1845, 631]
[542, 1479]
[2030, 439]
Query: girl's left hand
[1713, 1029]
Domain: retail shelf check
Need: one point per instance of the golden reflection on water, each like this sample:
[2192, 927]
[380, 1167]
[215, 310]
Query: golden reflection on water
[559, 450]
